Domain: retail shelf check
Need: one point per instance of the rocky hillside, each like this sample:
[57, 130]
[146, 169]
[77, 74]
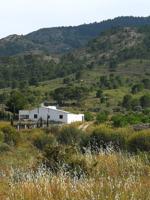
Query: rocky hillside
[63, 39]
[109, 49]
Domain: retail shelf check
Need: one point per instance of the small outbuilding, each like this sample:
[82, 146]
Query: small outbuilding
[51, 114]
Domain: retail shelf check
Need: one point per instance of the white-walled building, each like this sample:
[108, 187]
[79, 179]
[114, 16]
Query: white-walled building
[50, 113]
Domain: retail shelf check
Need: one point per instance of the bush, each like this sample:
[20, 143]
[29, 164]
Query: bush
[11, 136]
[77, 167]
[140, 141]
[137, 88]
[145, 101]
[1, 136]
[40, 140]
[99, 93]
[119, 121]
[131, 118]
[101, 117]
[4, 147]
[134, 118]
[54, 130]
[70, 136]
[127, 102]
[104, 137]
[58, 156]
[88, 116]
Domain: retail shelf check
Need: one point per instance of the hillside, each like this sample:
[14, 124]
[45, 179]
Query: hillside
[110, 49]
[63, 39]
[95, 78]
[115, 46]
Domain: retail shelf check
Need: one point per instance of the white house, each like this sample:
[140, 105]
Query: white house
[50, 113]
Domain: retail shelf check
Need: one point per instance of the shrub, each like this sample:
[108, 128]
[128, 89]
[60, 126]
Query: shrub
[11, 136]
[127, 101]
[99, 93]
[1, 136]
[88, 116]
[4, 147]
[104, 137]
[62, 158]
[137, 88]
[119, 121]
[54, 130]
[145, 101]
[140, 141]
[146, 83]
[101, 117]
[70, 136]
[77, 167]
[135, 105]
[58, 156]
[133, 118]
[40, 140]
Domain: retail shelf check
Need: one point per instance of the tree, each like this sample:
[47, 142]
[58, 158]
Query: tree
[58, 95]
[70, 93]
[137, 88]
[127, 100]
[145, 101]
[135, 104]
[146, 83]
[99, 93]
[112, 64]
[78, 75]
[16, 102]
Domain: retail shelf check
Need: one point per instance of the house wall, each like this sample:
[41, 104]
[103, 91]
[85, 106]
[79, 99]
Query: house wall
[23, 113]
[44, 112]
[54, 115]
[75, 118]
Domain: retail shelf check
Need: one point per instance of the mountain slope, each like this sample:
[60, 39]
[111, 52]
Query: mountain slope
[108, 50]
[111, 48]
[63, 39]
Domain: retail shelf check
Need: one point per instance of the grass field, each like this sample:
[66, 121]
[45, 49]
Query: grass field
[112, 176]
[108, 174]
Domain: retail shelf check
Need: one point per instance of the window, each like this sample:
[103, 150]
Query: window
[35, 116]
[60, 116]
[24, 116]
[48, 116]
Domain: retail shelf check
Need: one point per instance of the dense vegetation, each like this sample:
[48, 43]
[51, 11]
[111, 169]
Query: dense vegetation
[98, 162]
[110, 49]
[63, 39]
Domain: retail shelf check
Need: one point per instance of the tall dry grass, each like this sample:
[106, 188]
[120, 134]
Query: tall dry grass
[111, 175]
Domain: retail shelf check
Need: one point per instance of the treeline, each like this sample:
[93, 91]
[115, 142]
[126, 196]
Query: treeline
[22, 71]
[19, 72]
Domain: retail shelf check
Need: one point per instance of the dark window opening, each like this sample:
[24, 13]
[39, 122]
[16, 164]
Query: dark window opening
[35, 116]
[48, 116]
[24, 117]
[60, 116]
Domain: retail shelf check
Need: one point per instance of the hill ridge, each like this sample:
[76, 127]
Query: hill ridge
[60, 40]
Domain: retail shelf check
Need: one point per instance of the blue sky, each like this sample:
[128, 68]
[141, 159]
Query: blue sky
[24, 16]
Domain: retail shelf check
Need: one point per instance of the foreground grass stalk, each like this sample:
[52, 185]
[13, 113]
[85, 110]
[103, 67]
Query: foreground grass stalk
[112, 176]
